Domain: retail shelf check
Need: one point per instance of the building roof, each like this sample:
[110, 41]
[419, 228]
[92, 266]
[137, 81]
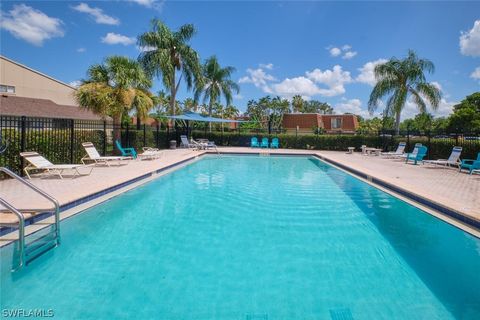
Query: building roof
[42, 108]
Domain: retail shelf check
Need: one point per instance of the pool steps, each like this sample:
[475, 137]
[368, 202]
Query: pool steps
[29, 248]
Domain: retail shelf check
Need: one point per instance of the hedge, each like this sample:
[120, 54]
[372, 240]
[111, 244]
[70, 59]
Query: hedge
[437, 148]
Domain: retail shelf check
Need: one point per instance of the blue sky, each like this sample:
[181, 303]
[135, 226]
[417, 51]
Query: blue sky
[320, 50]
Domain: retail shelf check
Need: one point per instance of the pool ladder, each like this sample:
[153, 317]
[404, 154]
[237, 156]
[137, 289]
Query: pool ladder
[41, 241]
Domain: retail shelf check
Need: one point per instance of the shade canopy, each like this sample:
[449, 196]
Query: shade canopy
[193, 116]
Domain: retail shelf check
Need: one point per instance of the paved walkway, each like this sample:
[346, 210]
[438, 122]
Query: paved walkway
[447, 187]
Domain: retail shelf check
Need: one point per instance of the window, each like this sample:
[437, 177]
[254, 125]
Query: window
[7, 89]
[336, 123]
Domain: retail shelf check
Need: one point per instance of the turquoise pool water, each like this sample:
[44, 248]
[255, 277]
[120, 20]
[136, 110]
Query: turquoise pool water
[247, 237]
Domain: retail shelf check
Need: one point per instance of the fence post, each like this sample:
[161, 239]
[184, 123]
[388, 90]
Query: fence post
[104, 137]
[408, 137]
[22, 143]
[157, 138]
[72, 132]
[144, 135]
[167, 136]
[127, 138]
[429, 150]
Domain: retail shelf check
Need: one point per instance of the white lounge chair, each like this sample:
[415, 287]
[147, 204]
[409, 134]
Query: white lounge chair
[211, 144]
[400, 150]
[184, 143]
[150, 154]
[94, 156]
[39, 163]
[453, 159]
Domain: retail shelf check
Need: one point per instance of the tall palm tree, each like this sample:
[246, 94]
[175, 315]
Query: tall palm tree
[168, 55]
[400, 79]
[116, 86]
[216, 82]
[297, 103]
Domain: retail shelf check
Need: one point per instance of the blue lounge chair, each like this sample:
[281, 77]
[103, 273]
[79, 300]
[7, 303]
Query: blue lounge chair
[274, 143]
[421, 153]
[126, 152]
[470, 165]
[264, 143]
[254, 143]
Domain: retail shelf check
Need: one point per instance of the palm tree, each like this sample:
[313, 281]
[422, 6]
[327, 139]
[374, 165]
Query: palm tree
[400, 79]
[215, 83]
[167, 53]
[297, 103]
[230, 112]
[116, 86]
[189, 105]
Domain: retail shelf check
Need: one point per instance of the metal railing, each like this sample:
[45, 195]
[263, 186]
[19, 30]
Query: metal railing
[21, 217]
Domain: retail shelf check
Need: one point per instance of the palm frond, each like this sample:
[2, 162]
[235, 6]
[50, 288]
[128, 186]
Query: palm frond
[430, 92]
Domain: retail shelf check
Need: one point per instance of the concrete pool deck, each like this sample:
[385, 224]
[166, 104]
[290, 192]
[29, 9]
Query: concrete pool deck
[446, 187]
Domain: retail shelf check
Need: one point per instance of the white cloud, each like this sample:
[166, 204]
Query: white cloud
[354, 106]
[470, 41]
[115, 38]
[327, 83]
[237, 96]
[345, 51]
[437, 85]
[155, 4]
[334, 80]
[476, 74]
[259, 78]
[335, 52]
[367, 74]
[81, 50]
[299, 85]
[349, 55]
[31, 25]
[445, 108]
[268, 66]
[146, 48]
[75, 83]
[97, 14]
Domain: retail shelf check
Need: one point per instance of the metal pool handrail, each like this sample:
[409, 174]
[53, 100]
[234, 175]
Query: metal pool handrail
[21, 217]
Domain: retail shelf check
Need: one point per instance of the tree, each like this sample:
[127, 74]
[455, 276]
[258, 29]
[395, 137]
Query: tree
[215, 82]
[400, 79]
[466, 115]
[440, 124]
[115, 87]
[297, 103]
[370, 125]
[267, 111]
[189, 105]
[230, 112]
[166, 53]
[314, 106]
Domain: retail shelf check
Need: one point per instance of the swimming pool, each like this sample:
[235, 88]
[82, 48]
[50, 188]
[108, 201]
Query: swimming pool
[249, 237]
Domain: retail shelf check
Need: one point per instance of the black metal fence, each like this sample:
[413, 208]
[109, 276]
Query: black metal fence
[59, 140]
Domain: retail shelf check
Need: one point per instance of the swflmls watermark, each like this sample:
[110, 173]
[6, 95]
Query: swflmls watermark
[28, 313]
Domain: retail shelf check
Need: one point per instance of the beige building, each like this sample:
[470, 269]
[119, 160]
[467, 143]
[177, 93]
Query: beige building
[22, 81]
[28, 92]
